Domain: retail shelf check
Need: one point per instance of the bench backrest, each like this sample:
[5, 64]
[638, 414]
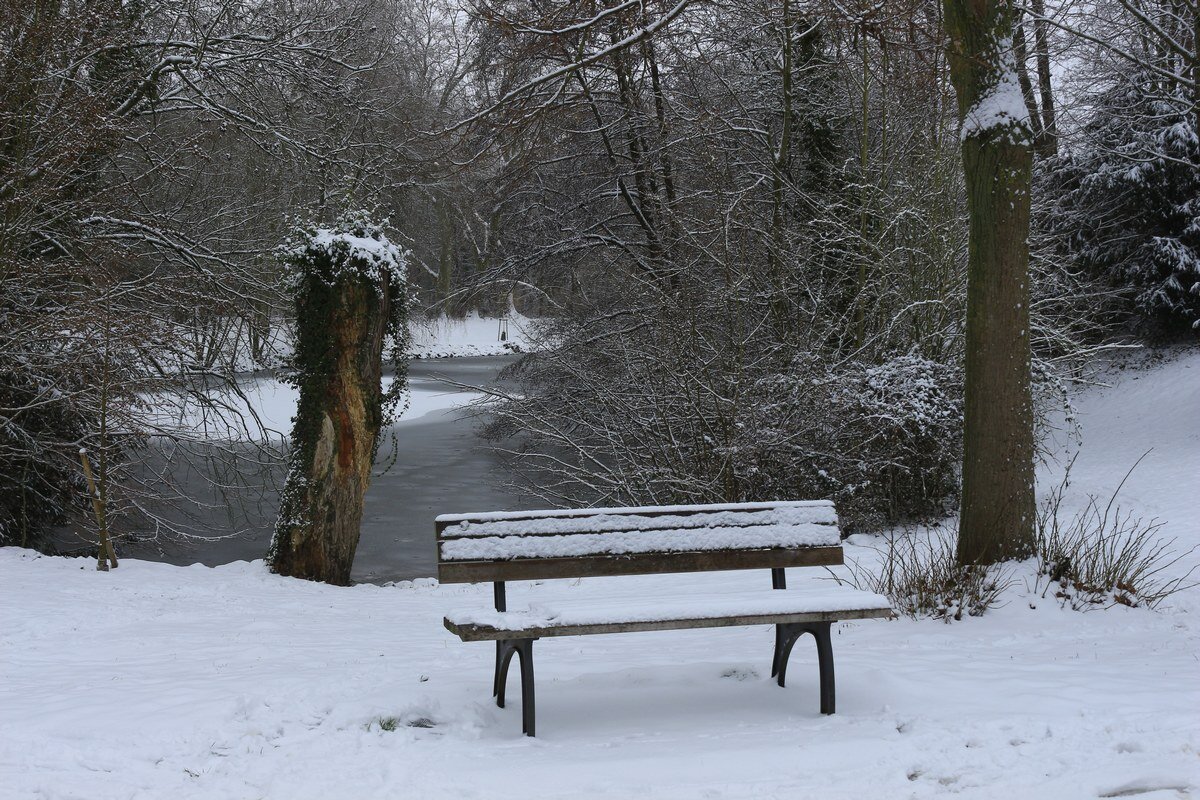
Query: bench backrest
[573, 543]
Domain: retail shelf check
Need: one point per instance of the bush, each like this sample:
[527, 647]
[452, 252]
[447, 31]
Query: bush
[1126, 205]
[674, 414]
[883, 441]
[921, 576]
[1103, 554]
[39, 479]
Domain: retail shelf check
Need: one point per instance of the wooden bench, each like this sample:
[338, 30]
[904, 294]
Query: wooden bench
[499, 547]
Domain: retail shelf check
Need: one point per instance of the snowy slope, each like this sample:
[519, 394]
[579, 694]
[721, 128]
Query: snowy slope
[157, 681]
[1155, 412]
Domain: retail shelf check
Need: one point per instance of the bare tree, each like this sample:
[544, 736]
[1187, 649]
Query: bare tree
[150, 154]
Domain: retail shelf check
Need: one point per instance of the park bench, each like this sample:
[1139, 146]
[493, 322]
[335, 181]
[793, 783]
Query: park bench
[504, 546]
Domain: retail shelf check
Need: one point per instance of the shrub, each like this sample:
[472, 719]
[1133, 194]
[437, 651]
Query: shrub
[675, 414]
[882, 440]
[39, 479]
[1103, 554]
[1126, 204]
[921, 576]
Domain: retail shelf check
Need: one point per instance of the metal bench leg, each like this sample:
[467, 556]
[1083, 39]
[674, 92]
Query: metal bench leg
[505, 650]
[497, 684]
[778, 650]
[501, 601]
[821, 632]
[778, 581]
[525, 648]
[785, 638]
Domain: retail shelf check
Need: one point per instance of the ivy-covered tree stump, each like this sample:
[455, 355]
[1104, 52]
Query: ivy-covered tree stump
[348, 283]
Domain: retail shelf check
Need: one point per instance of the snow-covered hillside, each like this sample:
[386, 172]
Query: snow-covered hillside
[156, 681]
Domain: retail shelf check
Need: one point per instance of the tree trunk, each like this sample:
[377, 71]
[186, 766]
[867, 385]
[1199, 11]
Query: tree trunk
[335, 432]
[445, 250]
[1048, 138]
[1020, 50]
[997, 520]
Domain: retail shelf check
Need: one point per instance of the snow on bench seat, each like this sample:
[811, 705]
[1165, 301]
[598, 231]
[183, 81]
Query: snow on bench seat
[818, 604]
[624, 531]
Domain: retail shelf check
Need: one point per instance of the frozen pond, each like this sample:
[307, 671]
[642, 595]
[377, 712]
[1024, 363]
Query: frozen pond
[439, 468]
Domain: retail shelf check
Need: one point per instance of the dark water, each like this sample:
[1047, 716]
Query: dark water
[440, 467]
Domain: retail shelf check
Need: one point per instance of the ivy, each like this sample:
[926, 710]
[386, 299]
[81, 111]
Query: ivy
[327, 269]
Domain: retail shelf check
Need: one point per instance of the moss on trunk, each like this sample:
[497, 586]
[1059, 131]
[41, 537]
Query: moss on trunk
[344, 312]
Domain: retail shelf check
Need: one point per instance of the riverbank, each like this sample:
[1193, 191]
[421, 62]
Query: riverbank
[471, 335]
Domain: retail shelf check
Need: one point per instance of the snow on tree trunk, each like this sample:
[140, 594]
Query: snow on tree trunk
[997, 516]
[348, 282]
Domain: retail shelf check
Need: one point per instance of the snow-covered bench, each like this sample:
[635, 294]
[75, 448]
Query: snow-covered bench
[537, 545]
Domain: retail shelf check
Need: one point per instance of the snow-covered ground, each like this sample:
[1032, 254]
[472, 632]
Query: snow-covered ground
[473, 335]
[156, 681]
[429, 337]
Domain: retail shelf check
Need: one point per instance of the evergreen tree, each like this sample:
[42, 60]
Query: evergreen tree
[1127, 203]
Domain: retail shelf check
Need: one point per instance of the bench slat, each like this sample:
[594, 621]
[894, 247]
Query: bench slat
[673, 540]
[443, 520]
[607, 520]
[475, 632]
[529, 569]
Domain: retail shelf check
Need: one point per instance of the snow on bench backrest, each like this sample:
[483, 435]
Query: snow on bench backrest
[506, 535]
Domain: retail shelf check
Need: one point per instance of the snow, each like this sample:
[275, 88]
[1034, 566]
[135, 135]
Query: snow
[641, 541]
[764, 602]
[562, 533]
[1153, 411]
[373, 255]
[155, 681]
[472, 335]
[566, 519]
[428, 337]
[378, 251]
[273, 402]
[1002, 106]
[574, 533]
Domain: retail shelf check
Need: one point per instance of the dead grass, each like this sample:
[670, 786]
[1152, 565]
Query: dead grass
[1104, 554]
[919, 574]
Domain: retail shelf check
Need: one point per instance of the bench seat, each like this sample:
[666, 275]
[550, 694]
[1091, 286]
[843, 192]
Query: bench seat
[815, 604]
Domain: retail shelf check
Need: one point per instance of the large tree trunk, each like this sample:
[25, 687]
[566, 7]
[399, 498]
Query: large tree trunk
[997, 520]
[342, 317]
